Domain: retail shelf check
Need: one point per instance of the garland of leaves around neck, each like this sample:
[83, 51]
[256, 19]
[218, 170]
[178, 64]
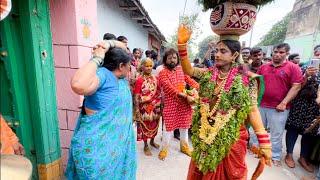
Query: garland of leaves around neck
[208, 153]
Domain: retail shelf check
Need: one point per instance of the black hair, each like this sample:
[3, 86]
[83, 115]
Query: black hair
[148, 53]
[121, 38]
[233, 45]
[255, 50]
[168, 52]
[316, 47]
[154, 54]
[292, 56]
[196, 60]
[135, 50]
[286, 46]
[114, 57]
[243, 48]
[109, 36]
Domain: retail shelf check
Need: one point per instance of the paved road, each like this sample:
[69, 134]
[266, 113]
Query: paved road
[175, 167]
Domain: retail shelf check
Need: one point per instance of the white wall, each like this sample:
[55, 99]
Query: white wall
[114, 20]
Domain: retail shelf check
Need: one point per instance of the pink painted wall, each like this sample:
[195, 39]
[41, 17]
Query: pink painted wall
[74, 32]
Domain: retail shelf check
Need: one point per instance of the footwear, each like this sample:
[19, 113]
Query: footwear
[276, 163]
[147, 151]
[305, 166]
[163, 154]
[289, 161]
[184, 148]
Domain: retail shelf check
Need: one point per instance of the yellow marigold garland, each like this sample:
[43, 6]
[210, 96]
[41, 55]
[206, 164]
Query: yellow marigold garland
[212, 142]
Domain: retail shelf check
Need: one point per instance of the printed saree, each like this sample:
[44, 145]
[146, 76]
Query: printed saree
[103, 145]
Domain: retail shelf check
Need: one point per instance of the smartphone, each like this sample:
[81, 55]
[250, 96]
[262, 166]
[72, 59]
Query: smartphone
[314, 63]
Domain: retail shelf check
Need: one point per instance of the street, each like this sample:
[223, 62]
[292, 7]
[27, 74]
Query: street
[175, 166]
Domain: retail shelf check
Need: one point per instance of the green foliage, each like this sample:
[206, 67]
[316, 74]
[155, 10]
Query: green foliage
[193, 23]
[206, 86]
[209, 4]
[277, 34]
[203, 45]
[209, 156]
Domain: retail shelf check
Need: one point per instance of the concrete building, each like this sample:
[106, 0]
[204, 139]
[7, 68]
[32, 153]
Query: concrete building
[304, 28]
[130, 19]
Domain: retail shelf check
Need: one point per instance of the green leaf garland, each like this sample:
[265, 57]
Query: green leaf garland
[209, 156]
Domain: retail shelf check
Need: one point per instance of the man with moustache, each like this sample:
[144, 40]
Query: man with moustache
[256, 55]
[282, 83]
[177, 111]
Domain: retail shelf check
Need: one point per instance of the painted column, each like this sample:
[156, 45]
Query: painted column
[34, 25]
[74, 32]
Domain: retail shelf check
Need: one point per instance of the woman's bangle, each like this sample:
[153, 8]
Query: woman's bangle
[97, 59]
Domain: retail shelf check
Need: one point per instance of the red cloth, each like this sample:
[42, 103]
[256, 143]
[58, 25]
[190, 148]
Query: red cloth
[143, 134]
[135, 62]
[177, 113]
[138, 85]
[233, 166]
[149, 92]
[278, 81]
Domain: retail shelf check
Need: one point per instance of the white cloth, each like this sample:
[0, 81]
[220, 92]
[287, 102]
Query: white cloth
[167, 136]
[5, 8]
[15, 167]
[158, 70]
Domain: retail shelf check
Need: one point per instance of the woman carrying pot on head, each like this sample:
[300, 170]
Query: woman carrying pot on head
[228, 99]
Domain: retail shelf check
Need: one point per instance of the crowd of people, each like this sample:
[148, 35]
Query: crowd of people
[233, 100]
[291, 101]
[239, 99]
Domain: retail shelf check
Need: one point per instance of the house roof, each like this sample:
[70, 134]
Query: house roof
[138, 13]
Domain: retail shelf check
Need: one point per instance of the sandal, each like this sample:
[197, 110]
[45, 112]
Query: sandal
[289, 161]
[305, 166]
[276, 163]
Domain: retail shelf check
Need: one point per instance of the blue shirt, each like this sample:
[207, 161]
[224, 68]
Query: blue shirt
[208, 63]
[107, 90]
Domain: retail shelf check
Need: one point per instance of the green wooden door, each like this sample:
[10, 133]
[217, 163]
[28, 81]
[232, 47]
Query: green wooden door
[15, 106]
[27, 90]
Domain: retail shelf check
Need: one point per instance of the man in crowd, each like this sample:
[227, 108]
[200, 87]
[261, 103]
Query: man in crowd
[109, 36]
[209, 55]
[177, 111]
[245, 52]
[256, 55]
[154, 57]
[282, 83]
[148, 53]
[123, 39]
[196, 63]
[316, 51]
[295, 58]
